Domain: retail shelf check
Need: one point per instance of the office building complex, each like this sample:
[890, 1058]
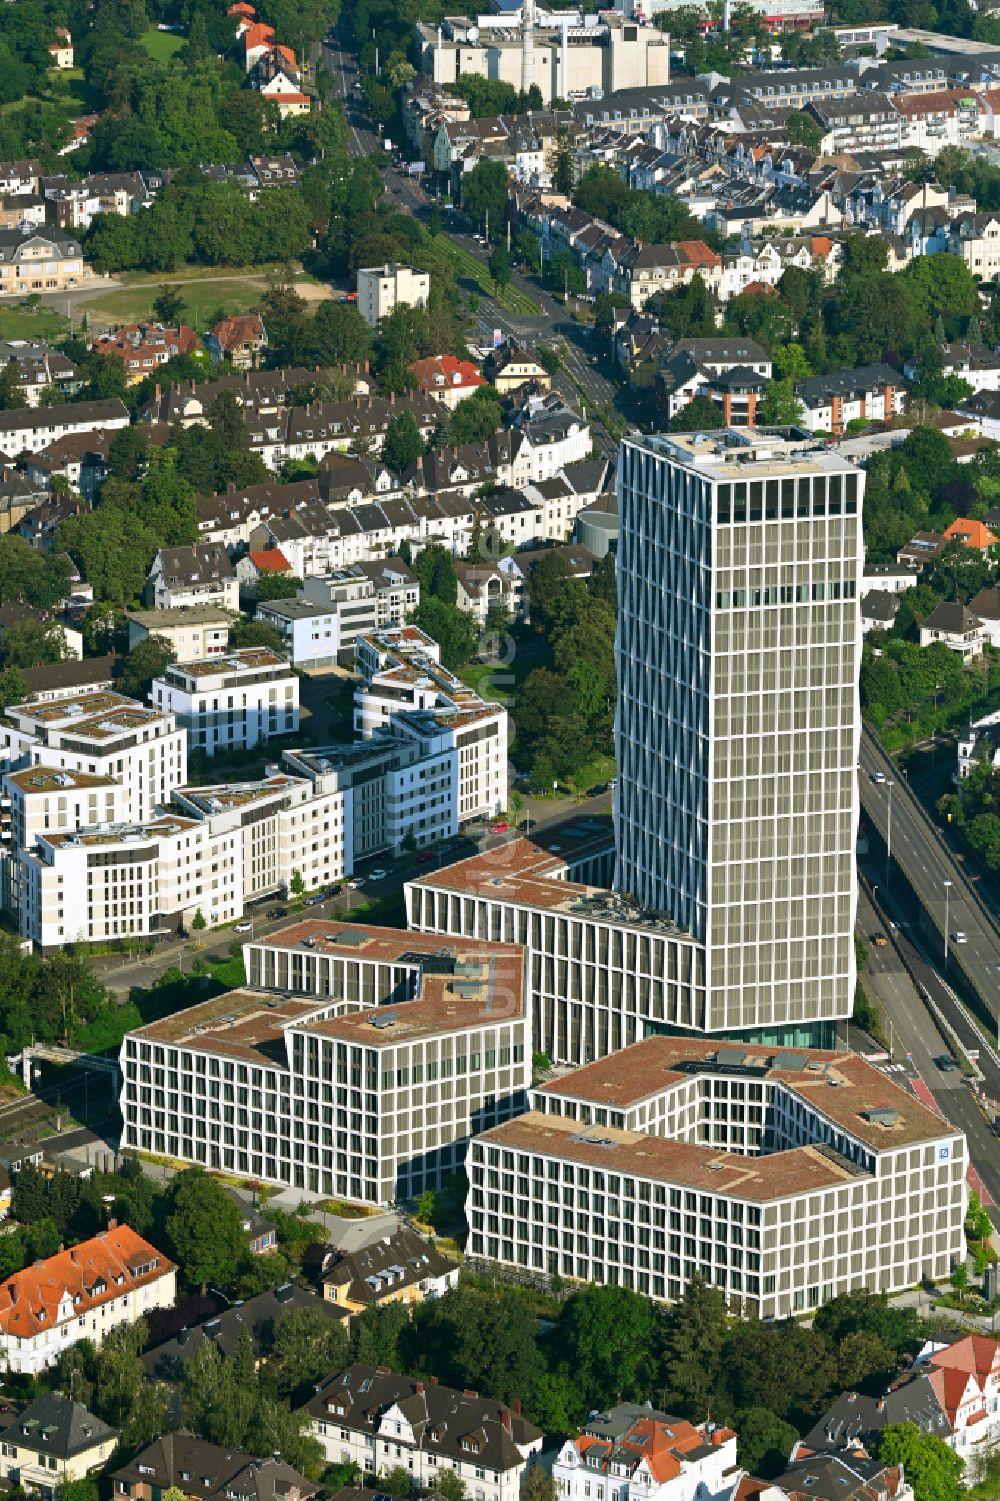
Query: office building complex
[358, 1062]
[738, 717]
[783, 1178]
[736, 802]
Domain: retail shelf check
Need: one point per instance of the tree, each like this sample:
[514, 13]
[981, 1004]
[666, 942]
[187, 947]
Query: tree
[538, 1484]
[764, 1442]
[803, 130]
[168, 305]
[149, 659]
[198, 922]
[484, 195]
[780, 407]
[12, 397]
[561, 161]
[606, 1338]
[403, 445]
[435, 569]
[475, 418]
[701, 414]
[128, 453]
[931, 1467]
[450, 1485]
[297, 886]
[499, 265]
[693, 1342]
[205, 1228]
[959, 1280]
[454, 631]
[396, 1481]
[306, 1344]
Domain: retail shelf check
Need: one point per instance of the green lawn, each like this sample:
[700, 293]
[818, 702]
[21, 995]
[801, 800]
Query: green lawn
[202, 300]
[20, 323]
[471, 268]
[161, 45]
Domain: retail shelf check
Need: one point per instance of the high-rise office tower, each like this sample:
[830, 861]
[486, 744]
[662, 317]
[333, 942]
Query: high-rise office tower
[739, 560]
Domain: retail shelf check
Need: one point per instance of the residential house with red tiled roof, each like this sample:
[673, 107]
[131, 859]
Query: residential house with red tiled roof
[240, 340]
[970, 533]
[83, 1293]
[446, 379]
[144, 347]
[631, 1450]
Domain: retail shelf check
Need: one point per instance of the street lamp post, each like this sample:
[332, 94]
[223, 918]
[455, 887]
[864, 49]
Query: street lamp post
[888, 836]
[947, 895]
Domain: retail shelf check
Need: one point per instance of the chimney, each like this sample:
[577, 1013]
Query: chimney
[420, 1388]
[434, 1381]
[472, 1394]
[505, 1419]
[516, 1405]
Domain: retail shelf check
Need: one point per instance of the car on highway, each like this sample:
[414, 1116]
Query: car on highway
[879, 940]
[243, 927]
[959, 937]
[316, 900]
[945, 1062]
[500, 827]
[278, 912]
[878, 776]
[377, 875]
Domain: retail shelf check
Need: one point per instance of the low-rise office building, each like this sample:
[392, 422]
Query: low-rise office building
[84, 1293]
[358, 1062]
[231, 702]
[784, 1177]
[375, 1419]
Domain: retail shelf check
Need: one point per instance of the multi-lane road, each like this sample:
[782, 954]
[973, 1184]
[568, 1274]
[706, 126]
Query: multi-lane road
[937, 878]
[578, 375]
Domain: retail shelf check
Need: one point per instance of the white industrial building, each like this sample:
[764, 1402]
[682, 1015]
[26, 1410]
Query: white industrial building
[358, 1063]
[783, 1178]
[232, 702]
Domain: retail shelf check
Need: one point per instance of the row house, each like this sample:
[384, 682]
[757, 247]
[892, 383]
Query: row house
[257, 391]
[644, 271]
[75, 205]
[872, 393]
[861, 122]
[324, 427]
[969, 359]
[763, 261]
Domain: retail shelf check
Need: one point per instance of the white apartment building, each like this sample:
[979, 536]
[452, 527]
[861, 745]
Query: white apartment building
[632, 1453]
[44, 800]
[321, 625]
[358, 1062]
[873, 393]
[394, 787]
[129, 880]
[231, 702]
[784, 1178]
[381, 289]
[217, 850]
[738, 721]
[404, 689]
[980, 741]
[83, 1293]
[377, 1420]
[103, 734]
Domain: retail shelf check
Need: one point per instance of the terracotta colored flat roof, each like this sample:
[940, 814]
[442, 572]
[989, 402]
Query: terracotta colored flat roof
[843, 1087]
[780, 1176]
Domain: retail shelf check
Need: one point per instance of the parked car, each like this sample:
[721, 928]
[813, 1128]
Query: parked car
[243, 927]
[356, 884]
[332, 891]
[316, 900]
[377, 875]
[425, 857]
[500, 827]
[278, 912]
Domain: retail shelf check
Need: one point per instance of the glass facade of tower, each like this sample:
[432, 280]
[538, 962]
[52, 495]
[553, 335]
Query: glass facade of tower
[739, 645]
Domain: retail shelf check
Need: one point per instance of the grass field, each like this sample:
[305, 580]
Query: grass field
[20, 323]
[469, 267]
[161, 45]
[202, 300]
